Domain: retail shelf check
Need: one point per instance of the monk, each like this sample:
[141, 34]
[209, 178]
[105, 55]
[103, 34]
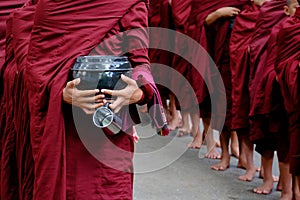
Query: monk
[240, 38]
[63, 30]
[8, 171]
[287, 74]
[196, 30]
[160, 15]
[219, 25]
[269, 125]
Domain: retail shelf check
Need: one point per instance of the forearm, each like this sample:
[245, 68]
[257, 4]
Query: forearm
[212, 17]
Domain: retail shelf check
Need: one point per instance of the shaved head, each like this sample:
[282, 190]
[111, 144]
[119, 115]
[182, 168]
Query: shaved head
[290, 7]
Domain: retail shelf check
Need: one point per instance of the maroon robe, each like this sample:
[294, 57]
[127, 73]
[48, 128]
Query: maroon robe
[271, 13]
[160, 16]
[199, 77]
[240, 38]
[65, 163]
[9, 168]
[287, 71]
[6, 6]
[267, 101]
[22, 26]
[181, 12]
[218, 37]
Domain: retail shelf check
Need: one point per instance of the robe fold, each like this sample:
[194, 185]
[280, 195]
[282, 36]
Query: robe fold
[6, 6]
[242, 32]
[22, 26]
[72, 158]
[287, 71]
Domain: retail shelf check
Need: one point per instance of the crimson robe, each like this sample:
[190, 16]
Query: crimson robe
[218, 37]
[160, 15]
[81, 162]
[240, 38]
[180, 13]
[267, 111]
[287, 71]
[22, 26]
[200, 77]
[8, 167]
[271, 13]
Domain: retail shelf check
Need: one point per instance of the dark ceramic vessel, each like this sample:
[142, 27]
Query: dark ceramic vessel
[101, 72]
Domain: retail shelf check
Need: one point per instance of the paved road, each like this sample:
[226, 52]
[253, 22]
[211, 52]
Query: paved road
[166, 170]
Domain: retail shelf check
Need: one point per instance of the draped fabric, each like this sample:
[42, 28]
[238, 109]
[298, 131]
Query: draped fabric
[242, 32]
[287, 71]
[65, 164]
[199, 77]
[218, 36]
[6, 6]
[271, 13]
[179, 83]
[267, 109]
[8, 170]
[160, 16]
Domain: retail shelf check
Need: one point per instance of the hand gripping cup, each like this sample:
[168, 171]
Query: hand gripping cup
[105, 118]
[102, 72]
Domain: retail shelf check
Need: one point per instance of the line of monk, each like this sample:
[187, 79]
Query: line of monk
[253, 44]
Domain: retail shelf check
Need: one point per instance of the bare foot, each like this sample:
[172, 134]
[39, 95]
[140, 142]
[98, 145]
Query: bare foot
[183, 131]
[173, 124]
[222, 165]
[286, 196]
[213, 153]
[197, 142]
[249, 175]
[265, 188]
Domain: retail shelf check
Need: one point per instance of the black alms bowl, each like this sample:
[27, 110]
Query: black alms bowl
[101, 72]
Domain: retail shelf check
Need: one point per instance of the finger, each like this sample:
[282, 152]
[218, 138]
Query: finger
[111, 92]
[116, 105]
[127, 80]
[87, 92]
[236, 10]
[91, 99]
[91, 106]
[87, 111]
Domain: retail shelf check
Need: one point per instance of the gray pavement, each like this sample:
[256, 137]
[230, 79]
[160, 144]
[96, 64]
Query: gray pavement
[187, 175]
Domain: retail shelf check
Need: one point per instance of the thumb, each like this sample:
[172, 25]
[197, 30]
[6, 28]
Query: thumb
[127, 80]
[73, 83]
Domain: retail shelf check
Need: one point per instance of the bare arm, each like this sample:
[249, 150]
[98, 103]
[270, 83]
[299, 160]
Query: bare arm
[222, 12]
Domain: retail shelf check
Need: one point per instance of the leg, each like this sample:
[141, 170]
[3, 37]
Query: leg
[197, 142]
[174, 122]
[246, 151]
[212, 152]
[166, 109]
[234, 145]
[225, 159]
[296, 187]
[286, 181]
[185, 130]
[267, 162]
